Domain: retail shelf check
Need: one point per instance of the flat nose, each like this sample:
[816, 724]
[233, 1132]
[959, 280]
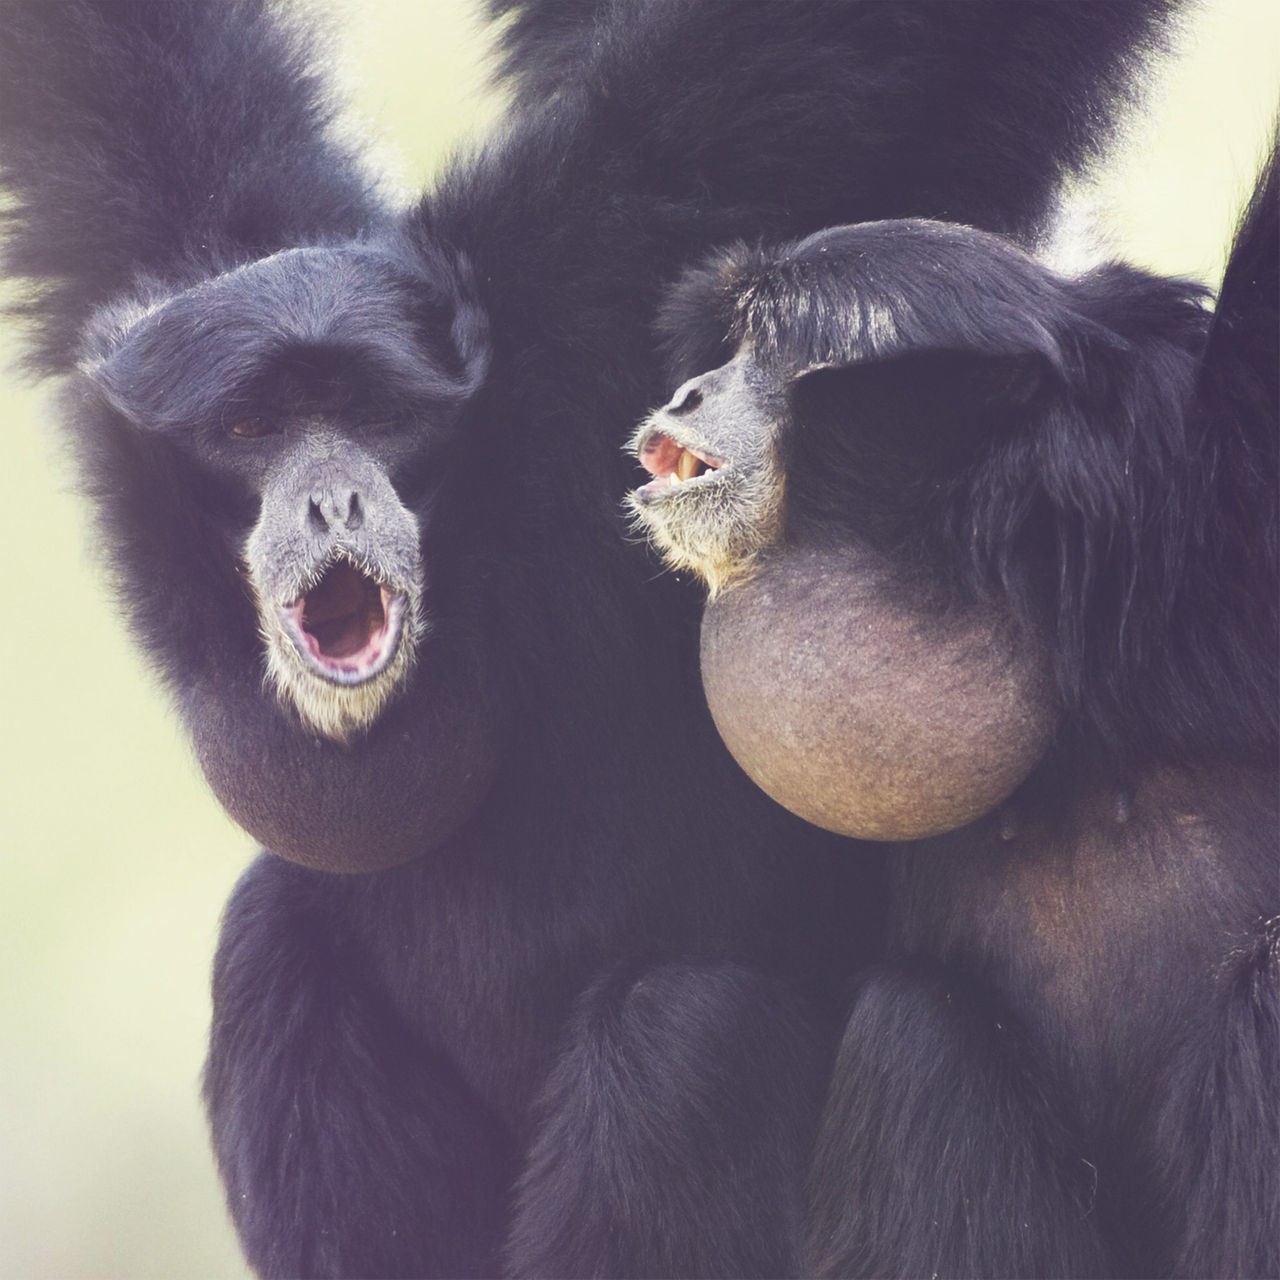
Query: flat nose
[335, 509]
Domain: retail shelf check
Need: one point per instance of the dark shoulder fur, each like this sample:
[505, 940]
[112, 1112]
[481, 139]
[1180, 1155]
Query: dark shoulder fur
[846, 95]
[170, 139]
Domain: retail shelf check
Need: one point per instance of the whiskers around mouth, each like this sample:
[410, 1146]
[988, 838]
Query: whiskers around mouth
[704, 513]
[341, 649]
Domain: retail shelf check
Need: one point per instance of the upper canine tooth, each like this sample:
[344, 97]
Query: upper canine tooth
[687, 465]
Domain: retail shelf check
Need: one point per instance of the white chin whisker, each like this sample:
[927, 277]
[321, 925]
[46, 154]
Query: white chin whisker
[329, 705]
[714, 526]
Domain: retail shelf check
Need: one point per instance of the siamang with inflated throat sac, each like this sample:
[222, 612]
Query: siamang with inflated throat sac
[992, 557]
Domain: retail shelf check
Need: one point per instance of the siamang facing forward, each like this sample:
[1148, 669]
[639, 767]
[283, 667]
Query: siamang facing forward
[993, 567]
[358, 473]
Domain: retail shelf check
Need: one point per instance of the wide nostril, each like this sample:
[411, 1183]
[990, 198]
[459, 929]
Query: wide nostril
[328, 510]
[315, 516]
[687, 398]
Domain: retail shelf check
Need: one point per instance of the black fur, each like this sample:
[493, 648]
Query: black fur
[547, 780]
[1071, 1065]
[1128, 517]
[969, 112]
[943, 1149]
[717, 1074]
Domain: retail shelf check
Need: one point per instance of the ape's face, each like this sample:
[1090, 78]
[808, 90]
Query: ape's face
[311, 397]
[336, 571]
[851, 400]
[715, 501]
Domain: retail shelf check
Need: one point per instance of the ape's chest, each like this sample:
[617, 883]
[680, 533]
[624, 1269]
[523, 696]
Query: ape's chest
[1103, 933]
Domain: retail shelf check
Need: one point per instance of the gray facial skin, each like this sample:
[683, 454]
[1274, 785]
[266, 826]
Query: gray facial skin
[716, 498]
[336, 572]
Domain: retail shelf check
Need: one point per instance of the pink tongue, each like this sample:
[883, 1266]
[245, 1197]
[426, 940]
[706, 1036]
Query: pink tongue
[660, 456]
[342, 612]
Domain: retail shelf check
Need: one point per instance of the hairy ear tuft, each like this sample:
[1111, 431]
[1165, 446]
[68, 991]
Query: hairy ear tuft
[699, 323]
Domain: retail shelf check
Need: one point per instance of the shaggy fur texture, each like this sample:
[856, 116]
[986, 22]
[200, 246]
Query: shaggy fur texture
[1070, 1063]
[543, 782]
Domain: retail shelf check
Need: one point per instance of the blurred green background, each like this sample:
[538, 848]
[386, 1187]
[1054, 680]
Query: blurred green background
[114, 860]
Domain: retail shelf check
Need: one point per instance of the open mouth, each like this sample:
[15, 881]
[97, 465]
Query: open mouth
[672, 465]
[348, 626]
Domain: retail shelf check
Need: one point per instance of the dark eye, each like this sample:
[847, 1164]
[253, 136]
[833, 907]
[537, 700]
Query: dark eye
[253, 428]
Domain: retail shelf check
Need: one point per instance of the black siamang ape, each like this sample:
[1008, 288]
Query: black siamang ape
[993, 567]
[358, 470]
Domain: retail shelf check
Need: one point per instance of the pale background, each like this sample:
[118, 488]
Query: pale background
[114, 860]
